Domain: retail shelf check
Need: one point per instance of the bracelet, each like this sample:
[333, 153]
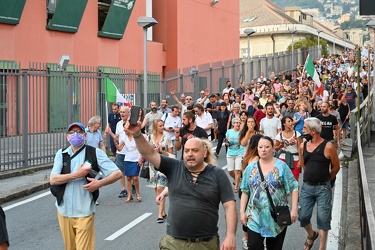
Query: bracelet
[137, 136]
[177, 140]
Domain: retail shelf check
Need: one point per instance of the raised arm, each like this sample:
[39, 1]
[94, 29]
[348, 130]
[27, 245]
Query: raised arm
[173, 92]
[144, 148]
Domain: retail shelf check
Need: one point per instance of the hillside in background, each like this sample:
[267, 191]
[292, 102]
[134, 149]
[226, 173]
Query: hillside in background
[300, 3]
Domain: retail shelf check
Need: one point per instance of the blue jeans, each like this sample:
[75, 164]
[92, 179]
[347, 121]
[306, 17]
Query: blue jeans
[322, 196]
[120, 161]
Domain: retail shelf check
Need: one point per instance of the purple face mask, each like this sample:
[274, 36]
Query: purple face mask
[76, 140]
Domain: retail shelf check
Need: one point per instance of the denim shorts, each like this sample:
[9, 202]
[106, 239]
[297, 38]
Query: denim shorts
[345, 126]
[322, 196]
[119, 161]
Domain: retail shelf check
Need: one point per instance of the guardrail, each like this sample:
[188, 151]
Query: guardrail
[366, 117]
[367, 219]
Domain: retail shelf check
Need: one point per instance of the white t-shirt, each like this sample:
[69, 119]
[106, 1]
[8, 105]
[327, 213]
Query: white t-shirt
[120, 132]
[204, 121]
[226, 90]
[291, 144]
[170, 121]
[270, 126]
[121, 137]
[132, 153]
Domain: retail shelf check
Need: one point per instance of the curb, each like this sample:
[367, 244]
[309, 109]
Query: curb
[32, 188]
[25, 192]
[23, 171]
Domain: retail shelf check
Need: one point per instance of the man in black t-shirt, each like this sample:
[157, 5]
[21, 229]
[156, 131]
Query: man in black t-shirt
[195, 191]
[188, 130]
[213, 107]
[330, 126]
[4, 241]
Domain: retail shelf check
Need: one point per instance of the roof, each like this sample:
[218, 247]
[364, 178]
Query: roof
[261, 13]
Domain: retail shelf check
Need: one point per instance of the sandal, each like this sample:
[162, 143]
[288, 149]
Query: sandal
[129, 199]
[309, 246]
[139, 198]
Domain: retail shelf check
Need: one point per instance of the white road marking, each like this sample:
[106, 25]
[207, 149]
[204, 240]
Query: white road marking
[26, 201]
[129, 226]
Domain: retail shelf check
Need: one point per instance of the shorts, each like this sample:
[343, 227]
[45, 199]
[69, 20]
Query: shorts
[345, 126]
[119, 161]
[322, 196]
[234, 162]
[214, 124]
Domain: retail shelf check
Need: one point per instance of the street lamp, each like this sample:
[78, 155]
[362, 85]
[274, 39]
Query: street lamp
[334, 42]
[319, 31]
[248, 32]
[371, 25]
[145, 22]
[292, 31]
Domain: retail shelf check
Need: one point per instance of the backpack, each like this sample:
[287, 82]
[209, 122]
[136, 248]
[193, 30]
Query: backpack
[58, 190]
[166, 116]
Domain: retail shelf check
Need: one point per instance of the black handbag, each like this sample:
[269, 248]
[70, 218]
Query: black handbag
[280, 214]
[145, 171]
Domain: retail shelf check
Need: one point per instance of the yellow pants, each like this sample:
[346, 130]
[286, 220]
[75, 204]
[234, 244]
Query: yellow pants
[78, 233]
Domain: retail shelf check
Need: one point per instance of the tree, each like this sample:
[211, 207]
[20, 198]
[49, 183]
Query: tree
[310, 41]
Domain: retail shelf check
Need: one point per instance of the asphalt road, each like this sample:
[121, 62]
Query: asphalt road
[32, 222]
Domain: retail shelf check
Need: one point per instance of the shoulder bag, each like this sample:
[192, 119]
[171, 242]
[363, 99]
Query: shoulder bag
[280, 214]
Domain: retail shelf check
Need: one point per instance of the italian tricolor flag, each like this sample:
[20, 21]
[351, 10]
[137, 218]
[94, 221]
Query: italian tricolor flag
[112, 94]
[310, 69]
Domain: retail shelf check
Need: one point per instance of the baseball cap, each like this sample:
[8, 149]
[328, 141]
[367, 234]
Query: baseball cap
[76, 124]
[349, 85]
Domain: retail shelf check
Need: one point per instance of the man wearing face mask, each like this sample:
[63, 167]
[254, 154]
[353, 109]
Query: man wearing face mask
[76, 205]
[321, 164]
[228, 87]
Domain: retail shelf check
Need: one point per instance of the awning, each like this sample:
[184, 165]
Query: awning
[9, 65]
[110, 70]
[117, 19]
[67, 16]
[11, 11]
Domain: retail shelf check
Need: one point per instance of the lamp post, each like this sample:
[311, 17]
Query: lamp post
[334, 42]
[145, 22]
[371, 25]
[248, 32]
[319, 31]
[292, 31]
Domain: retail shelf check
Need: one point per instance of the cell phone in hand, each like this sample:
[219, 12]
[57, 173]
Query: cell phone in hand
[134, 115]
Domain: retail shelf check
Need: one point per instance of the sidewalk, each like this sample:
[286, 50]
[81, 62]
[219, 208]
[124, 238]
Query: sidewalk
[18, 183]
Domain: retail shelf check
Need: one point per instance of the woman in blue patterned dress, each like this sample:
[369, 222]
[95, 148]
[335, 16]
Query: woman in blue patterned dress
[255, 208]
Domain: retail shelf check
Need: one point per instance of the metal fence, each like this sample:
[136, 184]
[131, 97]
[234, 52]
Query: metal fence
[367, 219]
[38, 102]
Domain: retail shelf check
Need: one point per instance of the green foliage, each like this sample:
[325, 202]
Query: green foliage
[310, 41]
[352, 24]
[300, 3]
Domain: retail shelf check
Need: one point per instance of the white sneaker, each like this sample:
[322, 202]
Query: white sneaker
[244, 245]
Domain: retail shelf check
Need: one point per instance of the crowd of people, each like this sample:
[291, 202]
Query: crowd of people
[270, 129]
